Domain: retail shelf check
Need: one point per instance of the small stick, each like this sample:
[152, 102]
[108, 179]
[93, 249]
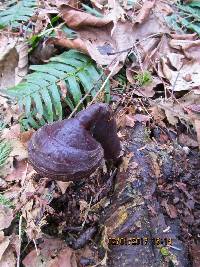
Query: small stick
[103, 85]
[82, 99]
[37, 252]
[20, 241]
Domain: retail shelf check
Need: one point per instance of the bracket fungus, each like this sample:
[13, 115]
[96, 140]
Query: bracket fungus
[74, 148]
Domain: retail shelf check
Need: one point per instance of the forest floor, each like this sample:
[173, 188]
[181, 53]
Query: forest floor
[141, 56]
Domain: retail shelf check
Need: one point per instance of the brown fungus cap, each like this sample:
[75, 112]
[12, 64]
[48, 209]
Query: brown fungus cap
[73, 148]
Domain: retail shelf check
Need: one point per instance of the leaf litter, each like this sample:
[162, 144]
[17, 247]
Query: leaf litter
[136, 39]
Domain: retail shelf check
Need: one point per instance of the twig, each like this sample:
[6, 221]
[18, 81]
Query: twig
[137, 42]
[20, 241]
[85, 96]
[103, 85]
[174, 84]
[37, 252]
[88, 93]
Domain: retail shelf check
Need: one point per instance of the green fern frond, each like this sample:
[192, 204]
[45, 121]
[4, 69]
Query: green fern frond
[5, 150]
[17, 12]
[187, 17]
[39, 95]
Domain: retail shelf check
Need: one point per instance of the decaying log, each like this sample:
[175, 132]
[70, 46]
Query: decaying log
[135, 210]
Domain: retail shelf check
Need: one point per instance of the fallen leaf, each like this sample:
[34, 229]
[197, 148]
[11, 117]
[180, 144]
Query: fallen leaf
[8, 259]
[157, 114]
[63, 41]
[66, 258]
[145, 90]
[170, 209]
[32, 259]
[52, 252]
[11, 133]
[19, 151]
[130, 121]
[177, 78]
[187, 140]
[125, 163]
[76, 18]
[13, 60]
[104, 38]
[24, 137]
[141, 117]
[190, 48]
[144, 11]
[20, 169]
[4, 242]
[6, 217]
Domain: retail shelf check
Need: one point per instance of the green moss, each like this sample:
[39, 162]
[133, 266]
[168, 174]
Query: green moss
[144, 78]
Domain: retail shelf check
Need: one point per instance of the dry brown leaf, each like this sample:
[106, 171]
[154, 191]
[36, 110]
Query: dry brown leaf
[8, 259]
[194, 108]
[116, 11]
[125, 164]
[76, 18]
[145, 10]
[170, 209]
[180, 111]
[176, 60]
[6, 217]
[12, 132]
[77, 43]
[187, 140]
[130, 121]
[157, 114]
[190, 48]
[52, 252]
[12, 193]
[4, 242]
[19, 151]
[13, 61]
[173, 120]
[20, 170]
[148, 90]
[58, 3]
[102, 38]
[24, 137]
[66, 258]
[178, 79]
[141, 117]
[32, 259]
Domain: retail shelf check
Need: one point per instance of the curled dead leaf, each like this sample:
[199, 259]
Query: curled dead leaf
[76, 18]
[70, 43]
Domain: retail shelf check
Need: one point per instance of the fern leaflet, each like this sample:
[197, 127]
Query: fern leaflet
[17, 12]
[5, 150]
[40, 96]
